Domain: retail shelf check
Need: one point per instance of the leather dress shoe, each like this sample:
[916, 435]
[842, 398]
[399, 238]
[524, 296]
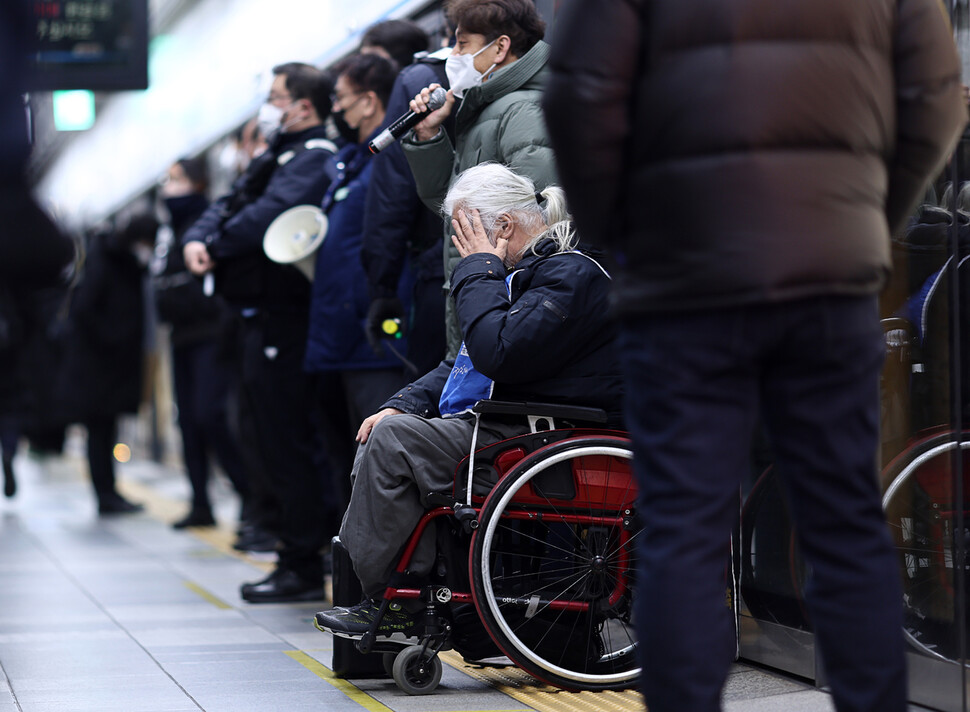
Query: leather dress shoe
[196, 518]
[116, 504]
[283, 586]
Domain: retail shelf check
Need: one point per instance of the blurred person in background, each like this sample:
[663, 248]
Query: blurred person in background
[106, 347]
[271, 303]
[30, 360]
[396, 40]
[12, 340]
[250, 143]
[400, 232]
[352, 378]
[498, 69]
[202, 380]
[820, 133]
[235, 156]
[32, 249]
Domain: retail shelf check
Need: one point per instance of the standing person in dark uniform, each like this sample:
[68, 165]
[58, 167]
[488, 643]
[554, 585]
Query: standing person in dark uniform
[106, 353]
[809, 130]
[272, 302]
[353, 379]
[202, 382]
[400, 232]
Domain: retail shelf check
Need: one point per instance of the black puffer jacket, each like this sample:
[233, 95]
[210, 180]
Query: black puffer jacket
[750, 151]
[550, 342]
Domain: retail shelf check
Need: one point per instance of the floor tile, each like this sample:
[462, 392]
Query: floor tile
[129, 615]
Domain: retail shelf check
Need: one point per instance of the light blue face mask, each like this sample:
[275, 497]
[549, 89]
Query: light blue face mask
[461, 71]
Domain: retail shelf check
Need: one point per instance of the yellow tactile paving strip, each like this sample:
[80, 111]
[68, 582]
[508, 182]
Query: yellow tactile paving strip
[526, 689]
[164, 509]
[324, 673]
[511, 680]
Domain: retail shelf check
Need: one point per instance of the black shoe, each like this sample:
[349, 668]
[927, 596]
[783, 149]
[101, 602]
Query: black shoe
[196, 518]
[116, 504]
[256, 539]
[282, 586]
[9, 481]
[353, 622]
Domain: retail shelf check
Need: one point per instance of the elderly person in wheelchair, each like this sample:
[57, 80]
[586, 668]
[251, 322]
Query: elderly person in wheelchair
[533, 310]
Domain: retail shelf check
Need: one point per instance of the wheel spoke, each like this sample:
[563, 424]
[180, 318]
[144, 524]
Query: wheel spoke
[560, 561]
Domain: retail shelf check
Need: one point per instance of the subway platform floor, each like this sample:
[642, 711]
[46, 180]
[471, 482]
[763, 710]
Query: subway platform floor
[126, 614]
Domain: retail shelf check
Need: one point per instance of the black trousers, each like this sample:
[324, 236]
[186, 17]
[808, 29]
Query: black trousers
[102, 437]
[426, 342]
[346, 398]
[202, 387]
[696, 383]
[241, 350]
[9, 436]
[281, 399]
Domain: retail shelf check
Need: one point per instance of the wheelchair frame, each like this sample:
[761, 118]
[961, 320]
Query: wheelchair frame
[918, 500]
[551, 556]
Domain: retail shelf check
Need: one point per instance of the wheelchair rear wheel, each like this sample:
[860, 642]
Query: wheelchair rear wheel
[553, 564]
[921, 509]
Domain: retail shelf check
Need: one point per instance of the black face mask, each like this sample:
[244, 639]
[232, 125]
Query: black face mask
[348, 134]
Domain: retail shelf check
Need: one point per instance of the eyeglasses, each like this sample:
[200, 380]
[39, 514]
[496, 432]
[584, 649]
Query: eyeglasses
[336, 99]
[276, 98]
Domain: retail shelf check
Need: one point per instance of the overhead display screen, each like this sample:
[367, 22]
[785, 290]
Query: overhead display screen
[100, 45]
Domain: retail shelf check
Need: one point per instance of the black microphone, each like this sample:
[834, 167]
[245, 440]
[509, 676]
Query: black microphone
[407, 122]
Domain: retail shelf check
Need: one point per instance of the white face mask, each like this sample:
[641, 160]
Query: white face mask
[461, 71]
[270, 120]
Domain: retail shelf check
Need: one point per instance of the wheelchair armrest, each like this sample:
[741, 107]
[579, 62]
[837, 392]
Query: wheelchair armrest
[548, 410]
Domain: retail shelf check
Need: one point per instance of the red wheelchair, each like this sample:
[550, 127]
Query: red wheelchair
[926, 492]
[539, 537]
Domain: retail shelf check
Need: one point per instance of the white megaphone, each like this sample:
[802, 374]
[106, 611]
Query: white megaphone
[295, 235]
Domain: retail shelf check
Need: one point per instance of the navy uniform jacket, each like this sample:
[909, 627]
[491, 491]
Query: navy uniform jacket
[243, 272]
[396, 223]
[336, 338]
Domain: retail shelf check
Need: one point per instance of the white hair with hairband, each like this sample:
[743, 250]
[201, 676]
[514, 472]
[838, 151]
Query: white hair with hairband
[494, 190]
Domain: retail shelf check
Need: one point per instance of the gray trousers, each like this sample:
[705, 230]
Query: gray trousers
[405, 458]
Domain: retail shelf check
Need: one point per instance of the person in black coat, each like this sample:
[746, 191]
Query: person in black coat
[12, 341]
[202, 382]
[33, 252]
[746, 163]
[105, 357]
[532, 309]
[29, 240]
[400, 233]
[271, 303]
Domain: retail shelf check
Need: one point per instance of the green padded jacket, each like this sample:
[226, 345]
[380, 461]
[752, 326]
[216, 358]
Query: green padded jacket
[499, 120]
